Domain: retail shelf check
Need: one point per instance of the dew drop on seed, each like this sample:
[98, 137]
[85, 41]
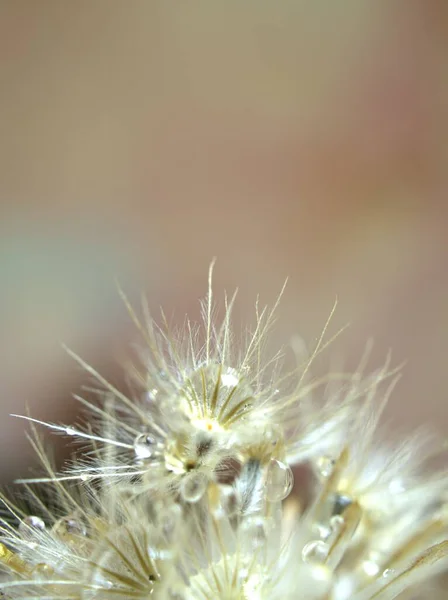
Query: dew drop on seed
[341, 503]
[193, 487]
[151, 395]
[336, 523]
[370, 568]
[389, 573]
[315, 551]
[69, 526]
[279, 481]
[42, 571]
[144, 446]
[325, 466]
[31, 525]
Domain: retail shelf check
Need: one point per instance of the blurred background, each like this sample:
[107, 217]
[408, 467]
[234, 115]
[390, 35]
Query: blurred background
[140, 139]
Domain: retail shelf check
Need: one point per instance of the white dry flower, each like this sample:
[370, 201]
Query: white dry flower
[205, 404]
[185, 491]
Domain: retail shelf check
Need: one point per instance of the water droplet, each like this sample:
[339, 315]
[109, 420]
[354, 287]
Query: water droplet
[324, 530]
[325, 466]
[315, 551]
[31, 525]
[70, 431]
[370, 568]
[144, 446]
[230, 378]
[341, 503]
[69, 526]
[389, 573]
[336, 523]
[151, 395]
[279, 481]
[42, 571]
[193, 486]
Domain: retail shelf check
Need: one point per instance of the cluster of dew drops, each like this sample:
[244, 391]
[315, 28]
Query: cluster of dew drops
[278, 479]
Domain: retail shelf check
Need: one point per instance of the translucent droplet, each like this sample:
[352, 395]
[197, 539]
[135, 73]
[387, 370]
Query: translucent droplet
[336, 523]
[31, 525]
[389, 573]
[193, 486]
[341, 503]
[69, 526]
[144, 446]
[325, 466]
[151, 394]
[255, 531]
[370, 568]
[279, 481]
[230, 378]
[315, 551]
[324, 530]
[42, 571]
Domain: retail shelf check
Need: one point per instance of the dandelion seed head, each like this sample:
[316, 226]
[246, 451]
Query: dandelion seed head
[185, 490]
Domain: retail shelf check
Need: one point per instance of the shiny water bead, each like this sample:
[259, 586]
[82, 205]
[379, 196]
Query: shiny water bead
[144, 446]
[340, 503]
[370, 568]
[389, 573]
[68, 527]
[151, 394]
[193, 486]
[315, 552]
[279, 481]
[42, 571]
[325, 466]
[31, 525]
[71, 431]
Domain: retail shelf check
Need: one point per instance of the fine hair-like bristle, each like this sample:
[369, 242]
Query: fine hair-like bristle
[184, 491]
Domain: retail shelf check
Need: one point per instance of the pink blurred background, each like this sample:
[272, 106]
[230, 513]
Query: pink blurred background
[140, 139]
